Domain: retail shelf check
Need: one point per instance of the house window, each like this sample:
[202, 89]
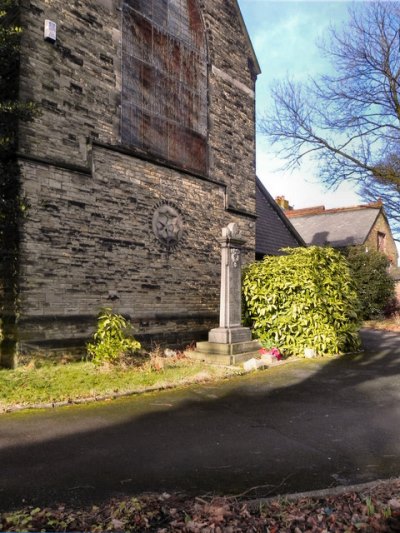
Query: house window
[381, 242]
[164, 81]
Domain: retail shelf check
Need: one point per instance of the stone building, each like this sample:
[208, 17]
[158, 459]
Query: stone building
[360, 225]
[143, 150]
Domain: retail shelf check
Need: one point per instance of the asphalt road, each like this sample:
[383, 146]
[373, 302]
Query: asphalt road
[301, 426]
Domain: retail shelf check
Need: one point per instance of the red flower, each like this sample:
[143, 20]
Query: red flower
[273, 351]
[276, 353]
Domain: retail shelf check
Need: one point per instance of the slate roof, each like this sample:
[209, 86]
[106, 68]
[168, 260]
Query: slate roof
[336, 227]
[273, 230]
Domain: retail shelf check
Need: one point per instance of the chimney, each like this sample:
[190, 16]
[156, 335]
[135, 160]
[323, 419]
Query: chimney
[283, 203]
[378, 203]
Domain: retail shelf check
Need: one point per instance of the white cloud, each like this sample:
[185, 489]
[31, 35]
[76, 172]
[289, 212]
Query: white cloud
[301, 187]
[284, 36]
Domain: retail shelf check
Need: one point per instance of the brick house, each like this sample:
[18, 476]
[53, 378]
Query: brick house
[365, 225]
[143, 150]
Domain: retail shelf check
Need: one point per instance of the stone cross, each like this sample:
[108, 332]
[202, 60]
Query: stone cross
[230, 324]
[231, 343]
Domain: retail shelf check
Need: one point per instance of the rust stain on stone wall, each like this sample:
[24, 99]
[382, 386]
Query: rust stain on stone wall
[164, 80]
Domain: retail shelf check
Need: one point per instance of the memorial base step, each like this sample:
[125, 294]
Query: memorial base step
[225, 354]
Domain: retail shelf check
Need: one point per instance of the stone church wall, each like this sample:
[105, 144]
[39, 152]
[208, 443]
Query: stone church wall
[88, 236]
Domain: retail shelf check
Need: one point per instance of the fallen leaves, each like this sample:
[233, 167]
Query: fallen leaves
[373, 511]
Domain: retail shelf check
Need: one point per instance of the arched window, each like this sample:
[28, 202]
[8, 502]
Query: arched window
[164, 80]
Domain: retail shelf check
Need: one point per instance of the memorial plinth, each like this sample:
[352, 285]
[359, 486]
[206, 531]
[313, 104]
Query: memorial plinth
[230, 343]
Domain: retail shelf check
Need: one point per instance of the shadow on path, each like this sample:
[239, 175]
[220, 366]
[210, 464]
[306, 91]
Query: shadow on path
[303, 426]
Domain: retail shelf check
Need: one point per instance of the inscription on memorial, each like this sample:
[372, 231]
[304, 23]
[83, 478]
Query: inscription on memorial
[235, 257]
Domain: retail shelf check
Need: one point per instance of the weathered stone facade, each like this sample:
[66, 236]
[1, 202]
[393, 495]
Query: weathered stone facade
[388, 245]
[361, 225]
[88, 239]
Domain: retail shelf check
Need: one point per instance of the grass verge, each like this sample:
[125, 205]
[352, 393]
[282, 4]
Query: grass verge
[31, 386]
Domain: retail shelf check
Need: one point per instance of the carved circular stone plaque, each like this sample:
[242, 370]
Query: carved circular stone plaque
[168, 225]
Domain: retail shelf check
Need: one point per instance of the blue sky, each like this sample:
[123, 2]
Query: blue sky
[284, 35]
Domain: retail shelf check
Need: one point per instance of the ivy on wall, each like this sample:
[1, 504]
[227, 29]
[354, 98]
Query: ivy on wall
[12, 110]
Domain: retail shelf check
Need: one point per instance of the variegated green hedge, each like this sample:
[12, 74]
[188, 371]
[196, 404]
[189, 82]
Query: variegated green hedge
[305, 299]
[374, 285]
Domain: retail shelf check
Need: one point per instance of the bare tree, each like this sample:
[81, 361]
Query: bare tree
[349, 121]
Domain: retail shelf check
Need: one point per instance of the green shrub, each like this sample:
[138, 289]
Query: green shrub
[111, 343]
[305, 299]
[374, 285]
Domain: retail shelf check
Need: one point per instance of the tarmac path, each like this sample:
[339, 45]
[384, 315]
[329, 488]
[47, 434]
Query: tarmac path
[301, 426]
